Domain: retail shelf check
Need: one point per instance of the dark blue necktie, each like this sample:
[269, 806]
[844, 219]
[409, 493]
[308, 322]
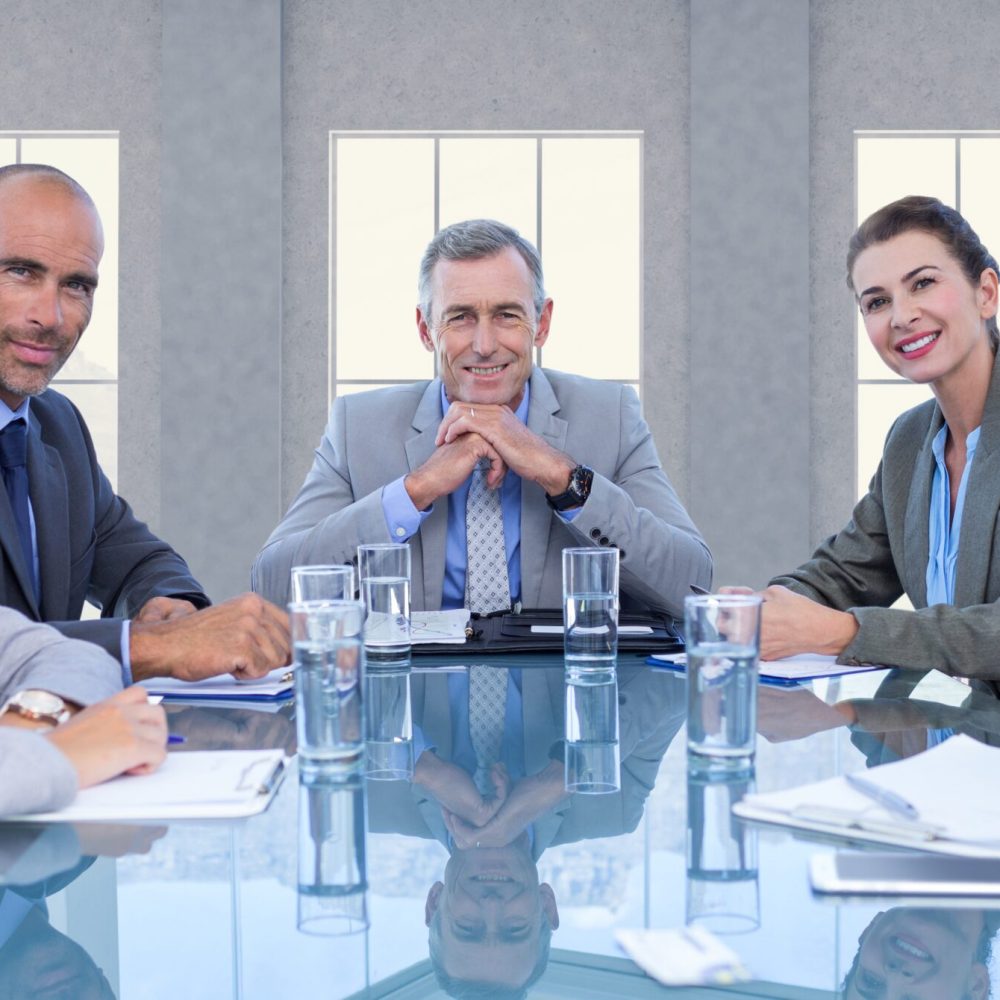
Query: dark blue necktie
[14, 462]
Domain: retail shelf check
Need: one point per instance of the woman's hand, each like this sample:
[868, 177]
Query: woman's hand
[792, 624]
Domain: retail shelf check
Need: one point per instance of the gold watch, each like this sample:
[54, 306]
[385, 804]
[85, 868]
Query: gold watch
[37, 706]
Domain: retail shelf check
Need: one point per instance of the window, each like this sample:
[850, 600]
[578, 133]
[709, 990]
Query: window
[576, 196]
[90, 377]
[960, 168]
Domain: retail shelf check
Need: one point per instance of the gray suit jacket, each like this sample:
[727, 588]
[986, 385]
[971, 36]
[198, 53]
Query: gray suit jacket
[883, 552]
[651, 709]
[34, 775]
[90, 544]
[374, 438]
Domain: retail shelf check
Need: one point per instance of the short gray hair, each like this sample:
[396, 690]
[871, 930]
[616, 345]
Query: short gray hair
[475, 239]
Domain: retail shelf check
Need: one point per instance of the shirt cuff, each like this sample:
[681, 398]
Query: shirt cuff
[569, 515]
[126, 655]
[401, 517]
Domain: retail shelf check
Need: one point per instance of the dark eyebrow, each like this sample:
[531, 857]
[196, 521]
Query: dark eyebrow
[83, 277]
[906, 277]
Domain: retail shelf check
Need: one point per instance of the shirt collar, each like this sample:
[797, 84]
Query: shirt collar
[521, 412]
[941, 438]
[7, 414]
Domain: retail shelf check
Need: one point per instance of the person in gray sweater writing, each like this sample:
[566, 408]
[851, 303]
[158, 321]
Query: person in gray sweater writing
[65, 729]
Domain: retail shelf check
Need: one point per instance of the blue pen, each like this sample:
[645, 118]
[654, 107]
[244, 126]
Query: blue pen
[173, 739]
[889, 800]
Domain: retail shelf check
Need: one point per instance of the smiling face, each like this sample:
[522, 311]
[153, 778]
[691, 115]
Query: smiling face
[483, 328]
[490, 909]
[50, 246]
[922, 314]
[920, 955]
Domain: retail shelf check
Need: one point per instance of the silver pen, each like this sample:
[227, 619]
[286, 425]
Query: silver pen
[894, 803]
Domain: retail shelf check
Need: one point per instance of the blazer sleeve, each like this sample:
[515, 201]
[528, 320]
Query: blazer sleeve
[636, 509]
[326, 522]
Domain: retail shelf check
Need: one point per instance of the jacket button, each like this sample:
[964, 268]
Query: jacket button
[621, 554]
[604, 540]
[595, 533]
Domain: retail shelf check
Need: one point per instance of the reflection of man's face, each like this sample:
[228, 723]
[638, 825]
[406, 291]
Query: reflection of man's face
[490, 911]
[38, 961]
[484, 328]
[50, 245]
[910, 954]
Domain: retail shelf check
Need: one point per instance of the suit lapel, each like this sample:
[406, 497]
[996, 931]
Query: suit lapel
[982, 500]
[536, 515]
[916, 538]
[433, 531]
[50, 504]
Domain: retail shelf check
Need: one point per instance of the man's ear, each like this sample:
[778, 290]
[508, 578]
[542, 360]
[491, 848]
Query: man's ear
[433, 901]
[544, 321]
[979, 982]
[424, 330]
[548, 898]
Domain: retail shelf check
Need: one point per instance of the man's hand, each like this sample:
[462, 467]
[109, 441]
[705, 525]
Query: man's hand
[246, 636]
[449, 466]
[454, 790]
[161, 609]
[792, 624]
[520, 449]
[796, 713]
[121, 734]
[530, 798]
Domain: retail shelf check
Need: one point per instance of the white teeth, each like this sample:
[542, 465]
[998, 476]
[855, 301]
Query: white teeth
[911, 949]
[917, 344]
[487, 371]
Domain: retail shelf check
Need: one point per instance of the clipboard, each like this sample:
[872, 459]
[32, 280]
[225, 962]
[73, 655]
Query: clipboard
[782, 673]
[276, 686]
[198, 784]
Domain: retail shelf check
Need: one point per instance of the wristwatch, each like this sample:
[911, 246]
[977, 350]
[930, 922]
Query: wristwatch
[580, 480]
[38, 706]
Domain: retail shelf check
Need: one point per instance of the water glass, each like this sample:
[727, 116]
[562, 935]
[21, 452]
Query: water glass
[723, 889]
[593, 764]
[388, 722]
[384, 572]
[329, 660]
[722, 633]
[590, 606]
[322, 583]
[332, 872]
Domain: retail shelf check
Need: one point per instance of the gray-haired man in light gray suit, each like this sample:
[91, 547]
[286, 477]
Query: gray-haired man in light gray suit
[573, 460]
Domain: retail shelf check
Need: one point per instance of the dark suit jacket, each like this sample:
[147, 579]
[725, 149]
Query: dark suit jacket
[883, 553]
[90, 544]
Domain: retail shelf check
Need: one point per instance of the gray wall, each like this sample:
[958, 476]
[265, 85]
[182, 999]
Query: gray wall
[748, 108]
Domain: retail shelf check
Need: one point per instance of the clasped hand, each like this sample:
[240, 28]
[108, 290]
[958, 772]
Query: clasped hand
[470, 432]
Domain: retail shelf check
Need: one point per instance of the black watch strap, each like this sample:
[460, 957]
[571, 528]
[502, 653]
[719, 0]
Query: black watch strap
[580, 481]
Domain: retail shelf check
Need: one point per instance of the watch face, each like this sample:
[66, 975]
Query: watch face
[42, 702]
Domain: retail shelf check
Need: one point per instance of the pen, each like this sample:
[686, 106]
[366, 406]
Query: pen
[890, 800]
[174, 738]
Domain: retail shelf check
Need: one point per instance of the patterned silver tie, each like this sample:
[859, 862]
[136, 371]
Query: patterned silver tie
[487, 588]
[487, 710]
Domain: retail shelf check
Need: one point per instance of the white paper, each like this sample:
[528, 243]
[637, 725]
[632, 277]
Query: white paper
[622, 629]
[189, 785]
[225, 686]
[690, 956]
[954, 785]
[438, 626]
[806, 666]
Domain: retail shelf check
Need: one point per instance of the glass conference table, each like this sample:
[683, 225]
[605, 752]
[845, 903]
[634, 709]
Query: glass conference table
[211, 909]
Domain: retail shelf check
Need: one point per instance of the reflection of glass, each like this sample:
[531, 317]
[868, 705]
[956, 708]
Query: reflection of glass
[388, 721]
[723, 893]
[332, 872]
[328, 657]
[593, 765]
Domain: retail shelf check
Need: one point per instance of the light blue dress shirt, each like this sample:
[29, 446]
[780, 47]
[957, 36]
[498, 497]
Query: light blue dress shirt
[24, 410]
[404, 520]
[944, 533]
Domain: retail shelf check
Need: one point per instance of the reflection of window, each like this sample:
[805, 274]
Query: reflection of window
[576, 196]
[960, 169]
[90, 377]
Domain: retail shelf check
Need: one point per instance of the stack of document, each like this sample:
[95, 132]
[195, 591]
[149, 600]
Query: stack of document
[952, 791]
[275, 686]
[788, 671]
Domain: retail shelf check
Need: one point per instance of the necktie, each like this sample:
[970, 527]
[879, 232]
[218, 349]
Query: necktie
[14, 462]
[486, 586]
[487, 709]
